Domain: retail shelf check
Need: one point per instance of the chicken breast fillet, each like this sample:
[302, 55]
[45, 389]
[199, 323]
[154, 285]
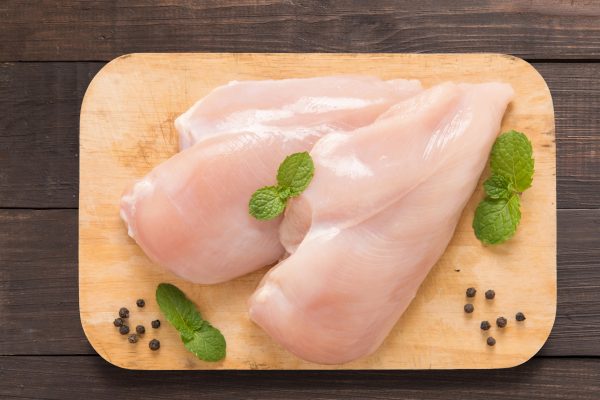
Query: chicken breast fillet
[190, 214]
[325, 103]
[380, 211]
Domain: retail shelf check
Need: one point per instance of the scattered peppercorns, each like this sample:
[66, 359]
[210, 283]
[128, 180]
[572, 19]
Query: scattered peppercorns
[154, 345]
[140, 303]
[140, 329]
[133, 338]
[485, 325]
[520, 317]
[118, 322]
[155, 324]
[490, 294]
[501, 322]
[469, 308]
[471, 292]
[491, 341]
[123, 312]
[123, 329]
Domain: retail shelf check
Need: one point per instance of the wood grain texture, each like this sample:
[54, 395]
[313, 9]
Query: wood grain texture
[65, 378]
[45, 175]
[39, 143]
[126, 129]
[577, 327]
[38, 263]
[576, 92]
[102, 30]
[38, 283]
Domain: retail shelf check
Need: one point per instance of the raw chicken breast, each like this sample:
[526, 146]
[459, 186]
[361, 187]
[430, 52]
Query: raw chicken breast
[190, 214]
[265, 106]
[379, 213]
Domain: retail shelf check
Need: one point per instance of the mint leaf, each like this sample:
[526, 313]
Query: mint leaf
[207, 344]
[511, 162]
[512, 158]
[197, 335]
[293, 176]
[178, 309]
[266, 203]
[496, 187]
[296, 172]
[496, 220]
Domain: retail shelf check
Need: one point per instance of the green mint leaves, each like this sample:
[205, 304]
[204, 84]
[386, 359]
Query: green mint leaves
[178, 310]
[496, 187]
[511, 162]
[198, 336]
[295, 173]
[207, 344]
[512, 159]
[293, 177]
[266, 203]
[496, 220]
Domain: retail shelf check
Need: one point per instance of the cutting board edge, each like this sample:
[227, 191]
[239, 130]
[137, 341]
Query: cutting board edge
[99, 348]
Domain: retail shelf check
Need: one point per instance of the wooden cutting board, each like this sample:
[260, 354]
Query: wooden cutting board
[127, 128]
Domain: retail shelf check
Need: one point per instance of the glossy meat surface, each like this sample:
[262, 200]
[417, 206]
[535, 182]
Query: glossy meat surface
[268, 106]
[381, 209]
[190, 214]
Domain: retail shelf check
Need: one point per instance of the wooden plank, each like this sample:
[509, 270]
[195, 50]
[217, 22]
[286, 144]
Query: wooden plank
[40, 121]
[78, 377]
[39, 111]
[577, 326]
[38, 284]
[127, 129]
[576, 93]
[102, 30]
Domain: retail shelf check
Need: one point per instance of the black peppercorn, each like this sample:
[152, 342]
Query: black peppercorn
[123, 312]
[123, 329]
[501, 322]
[140, 303]
[520, 317]
[469, 308]
[140, 329]
[133, 338]
[491, 341]
[485, 325]
[490, 294]
[154, 345]
[471, 292]
[118, 322]
[156, 324]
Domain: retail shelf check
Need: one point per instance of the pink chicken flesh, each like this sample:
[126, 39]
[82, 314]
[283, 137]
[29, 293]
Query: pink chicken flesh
[190, 214]
[379, 213]
[326, 103]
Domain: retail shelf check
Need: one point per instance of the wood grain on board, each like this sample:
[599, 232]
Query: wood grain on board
[101, 30]
[40, 306]
[127, 128]
[41, 101]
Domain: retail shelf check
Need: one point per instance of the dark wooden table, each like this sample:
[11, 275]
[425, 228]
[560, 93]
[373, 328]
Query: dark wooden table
[51, 49]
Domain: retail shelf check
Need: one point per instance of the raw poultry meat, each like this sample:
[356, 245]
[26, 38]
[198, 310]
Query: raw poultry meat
[325, 103]
[380, 211]
[190, 214]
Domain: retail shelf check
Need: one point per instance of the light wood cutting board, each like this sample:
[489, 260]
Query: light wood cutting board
[127, 129]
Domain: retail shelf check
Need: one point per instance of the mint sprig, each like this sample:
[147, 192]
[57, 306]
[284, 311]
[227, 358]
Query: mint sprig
[198, 336]
[178, 310]
[511, 162]
[207, 343]
[496, 187]
[293, 177]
